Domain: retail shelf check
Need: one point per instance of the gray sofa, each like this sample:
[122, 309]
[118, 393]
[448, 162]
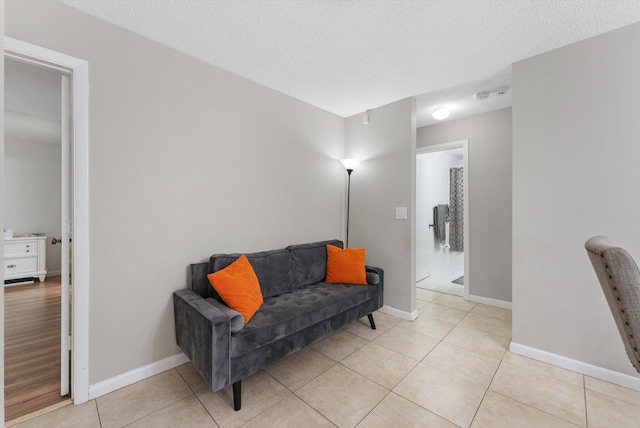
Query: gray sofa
[298, 309]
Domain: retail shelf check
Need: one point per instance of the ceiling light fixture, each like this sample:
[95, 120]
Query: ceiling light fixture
[441, 113]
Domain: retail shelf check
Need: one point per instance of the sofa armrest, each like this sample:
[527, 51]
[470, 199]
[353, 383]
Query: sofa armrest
[236, 319]
[375, 276]
[203, 333]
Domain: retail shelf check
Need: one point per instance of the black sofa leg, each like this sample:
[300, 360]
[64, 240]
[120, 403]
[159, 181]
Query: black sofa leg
[237, 392]
[373, 324]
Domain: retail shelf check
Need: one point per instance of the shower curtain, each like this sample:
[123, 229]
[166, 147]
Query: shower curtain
[456, 223]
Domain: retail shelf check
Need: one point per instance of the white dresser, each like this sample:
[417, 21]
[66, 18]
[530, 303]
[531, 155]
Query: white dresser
[25, 257]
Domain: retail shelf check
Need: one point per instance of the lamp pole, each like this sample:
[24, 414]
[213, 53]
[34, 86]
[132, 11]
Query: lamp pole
[349, 165]
[349, 171]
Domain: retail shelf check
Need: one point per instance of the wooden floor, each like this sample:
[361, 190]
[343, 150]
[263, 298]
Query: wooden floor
[31, 347]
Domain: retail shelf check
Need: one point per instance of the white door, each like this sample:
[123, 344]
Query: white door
[65, 336]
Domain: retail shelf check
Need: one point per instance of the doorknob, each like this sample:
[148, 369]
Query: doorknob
[55, 241]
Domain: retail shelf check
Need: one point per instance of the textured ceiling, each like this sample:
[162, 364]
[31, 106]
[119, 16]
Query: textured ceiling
[460, 99]
[350, 56]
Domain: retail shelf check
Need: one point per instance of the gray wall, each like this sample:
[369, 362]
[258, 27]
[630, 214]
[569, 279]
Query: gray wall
[32, 192]
[384, 180]
[489, 252]
[576, 147]
[186, 160]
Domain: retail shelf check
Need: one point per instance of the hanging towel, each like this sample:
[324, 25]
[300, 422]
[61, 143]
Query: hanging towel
[440, 217]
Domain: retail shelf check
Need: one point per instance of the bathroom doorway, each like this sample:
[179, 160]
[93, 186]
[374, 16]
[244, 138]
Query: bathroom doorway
[441, 219]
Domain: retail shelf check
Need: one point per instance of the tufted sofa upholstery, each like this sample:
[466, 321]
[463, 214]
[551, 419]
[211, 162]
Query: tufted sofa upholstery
[298, 309]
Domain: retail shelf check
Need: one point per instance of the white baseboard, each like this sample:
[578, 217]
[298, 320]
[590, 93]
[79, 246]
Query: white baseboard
[409, 316]
[601, 373]
[136, 375]
[491, 302]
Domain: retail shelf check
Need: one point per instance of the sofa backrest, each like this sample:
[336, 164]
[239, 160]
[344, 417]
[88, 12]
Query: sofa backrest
[310, 261]
[273, 269]
[199, 281]
[278, 271]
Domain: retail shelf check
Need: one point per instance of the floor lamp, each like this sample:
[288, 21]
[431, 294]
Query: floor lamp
[349, 165]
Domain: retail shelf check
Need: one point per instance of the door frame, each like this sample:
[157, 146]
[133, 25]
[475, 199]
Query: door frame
[464, 145]
[79, 69]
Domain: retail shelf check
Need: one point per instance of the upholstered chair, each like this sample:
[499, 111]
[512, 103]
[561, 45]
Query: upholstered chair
[620, 280]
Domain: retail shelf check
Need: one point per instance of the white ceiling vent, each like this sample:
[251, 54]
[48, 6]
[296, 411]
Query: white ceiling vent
[481, 95]
[501, 91]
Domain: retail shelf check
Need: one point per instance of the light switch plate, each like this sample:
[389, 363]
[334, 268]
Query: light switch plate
[401, 213]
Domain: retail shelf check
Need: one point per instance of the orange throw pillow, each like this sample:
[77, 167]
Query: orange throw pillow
[345, 266]
[238, 286]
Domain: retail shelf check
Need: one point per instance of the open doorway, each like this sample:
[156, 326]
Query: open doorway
[441, 223]
[37, 272]
[78, 117]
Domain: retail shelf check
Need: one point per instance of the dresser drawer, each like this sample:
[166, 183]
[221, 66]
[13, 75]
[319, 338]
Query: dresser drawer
[20, 265]
[20, 248]
[25, 257]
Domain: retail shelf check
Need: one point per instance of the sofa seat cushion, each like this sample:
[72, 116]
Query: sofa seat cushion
[290, 312]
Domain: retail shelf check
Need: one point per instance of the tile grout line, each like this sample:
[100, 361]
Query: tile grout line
[373, 408]
[442, 341]
[559, 380]
[487, 390]
[309, 404]
[529, 405]
[586, 409]
[340, 330]
[369, 341]
[418, 363]
[95, 401]
[274, 404]
[310, 380]
[315, 410]
[535, 408]
[196, 395]
[157, 410]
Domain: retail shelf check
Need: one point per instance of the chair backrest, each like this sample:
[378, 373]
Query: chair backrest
[620, 280]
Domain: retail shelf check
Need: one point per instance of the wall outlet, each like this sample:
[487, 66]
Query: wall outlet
[401, 213]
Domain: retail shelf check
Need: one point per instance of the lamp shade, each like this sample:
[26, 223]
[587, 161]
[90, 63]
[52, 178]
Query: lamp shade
[350, 164]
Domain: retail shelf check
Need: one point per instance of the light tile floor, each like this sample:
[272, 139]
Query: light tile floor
[440, 280]
[448, 368]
